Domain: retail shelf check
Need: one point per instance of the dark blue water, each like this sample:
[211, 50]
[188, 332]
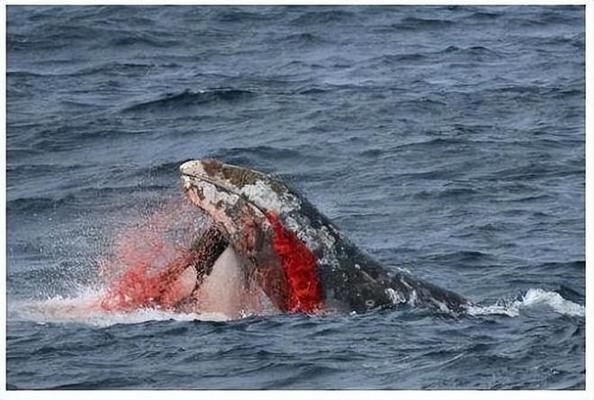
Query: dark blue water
[445, 140]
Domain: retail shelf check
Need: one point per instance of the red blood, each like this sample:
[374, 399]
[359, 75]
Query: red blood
[146, 261]
[299, 265]
[137, 287]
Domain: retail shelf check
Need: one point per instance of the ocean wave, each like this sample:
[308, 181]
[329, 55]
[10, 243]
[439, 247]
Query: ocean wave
[24, 74]
[36, 204]
[535, 171]
[461, 257]
[21, 170]
[396, 59]
[301, 40]
[80, 196]
[84, 309]
[472, 53]
[241, 15]
[544, 16]
[118, 69]
[312, 91]
[133, 39]
[297, 67]
[235, 154]
[532, 298]
[577, 265]
[16, 42]
[166, 168]
[482, 14]
[415, 23]
[452, 194]
[113, 68]
[324, 17]
[538, 90]
[189, 98]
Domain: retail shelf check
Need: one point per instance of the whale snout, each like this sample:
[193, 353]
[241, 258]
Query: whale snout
[192, 168]
[201, 168]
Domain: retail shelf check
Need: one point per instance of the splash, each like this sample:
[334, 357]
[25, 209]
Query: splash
[300, 267]
[138, 287]
[532, 298]
[159, 269]
[166, 263]
[83, 309]
[148, 266]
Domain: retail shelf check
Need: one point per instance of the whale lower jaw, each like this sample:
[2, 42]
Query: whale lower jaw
[226, 290]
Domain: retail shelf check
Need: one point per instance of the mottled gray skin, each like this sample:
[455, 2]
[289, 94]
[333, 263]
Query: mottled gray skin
[353, 280]
[238, 199]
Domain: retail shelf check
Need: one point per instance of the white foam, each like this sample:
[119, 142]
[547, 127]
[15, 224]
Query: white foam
[395, 297]
[84, 309]
[222, 297]
[532, 298]
[555, 301]
[511, 310]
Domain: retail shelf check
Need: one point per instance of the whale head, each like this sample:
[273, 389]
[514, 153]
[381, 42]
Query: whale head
[251, 209]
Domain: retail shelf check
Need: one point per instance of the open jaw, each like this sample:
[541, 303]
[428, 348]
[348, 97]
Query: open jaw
[217, 276]
[272, 261]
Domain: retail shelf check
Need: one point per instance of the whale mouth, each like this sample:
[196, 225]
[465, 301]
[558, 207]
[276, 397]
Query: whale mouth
[220, 279]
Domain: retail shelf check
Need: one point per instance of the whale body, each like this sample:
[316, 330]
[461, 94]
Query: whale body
[294, 253]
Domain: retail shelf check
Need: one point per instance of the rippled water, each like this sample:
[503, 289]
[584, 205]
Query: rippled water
[445, 140]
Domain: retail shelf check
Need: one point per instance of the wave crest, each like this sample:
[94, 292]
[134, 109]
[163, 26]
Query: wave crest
[83, 309]
[190, 98]
[532, 298]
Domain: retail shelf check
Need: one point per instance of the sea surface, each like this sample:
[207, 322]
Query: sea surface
[449, 141]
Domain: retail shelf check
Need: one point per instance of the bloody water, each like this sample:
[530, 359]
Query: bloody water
[149, 258]
[148, 262]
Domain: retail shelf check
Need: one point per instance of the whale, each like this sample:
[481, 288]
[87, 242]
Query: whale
[291, 252]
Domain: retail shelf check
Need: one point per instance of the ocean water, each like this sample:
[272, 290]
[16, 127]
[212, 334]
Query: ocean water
[449, 141]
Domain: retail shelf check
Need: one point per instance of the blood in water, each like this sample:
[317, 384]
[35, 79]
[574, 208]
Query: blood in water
[151, 263]
[147, 261]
